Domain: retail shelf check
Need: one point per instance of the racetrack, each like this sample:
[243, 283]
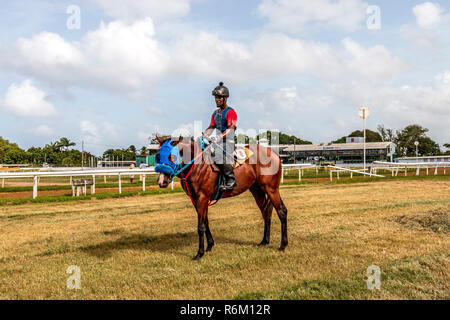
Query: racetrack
[141, 247]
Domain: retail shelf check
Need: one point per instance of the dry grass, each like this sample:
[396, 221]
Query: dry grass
[434, 220]
[141, 247]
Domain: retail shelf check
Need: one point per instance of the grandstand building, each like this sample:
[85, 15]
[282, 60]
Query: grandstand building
[351, 152]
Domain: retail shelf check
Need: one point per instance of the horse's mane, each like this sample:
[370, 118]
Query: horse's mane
[185, 139]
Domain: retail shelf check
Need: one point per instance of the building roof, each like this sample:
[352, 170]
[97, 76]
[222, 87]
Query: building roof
[420, 158]
[153, 147]
[338, 146]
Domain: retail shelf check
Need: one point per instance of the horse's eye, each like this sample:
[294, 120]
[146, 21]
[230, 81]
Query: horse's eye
[172, 158]
[157, 157]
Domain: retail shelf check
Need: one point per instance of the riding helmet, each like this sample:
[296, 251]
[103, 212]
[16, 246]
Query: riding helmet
[221, 90]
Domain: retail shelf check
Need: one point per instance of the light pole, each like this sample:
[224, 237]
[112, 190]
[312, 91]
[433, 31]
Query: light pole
[364, 113]
[416, 143]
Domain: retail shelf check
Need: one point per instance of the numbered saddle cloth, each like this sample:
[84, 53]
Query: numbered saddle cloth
[241, 154]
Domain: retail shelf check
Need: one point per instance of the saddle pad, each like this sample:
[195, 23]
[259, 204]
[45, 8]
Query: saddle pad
[241, 154]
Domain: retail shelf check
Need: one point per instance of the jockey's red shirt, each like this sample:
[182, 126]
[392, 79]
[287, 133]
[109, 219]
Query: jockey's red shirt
[231, 119]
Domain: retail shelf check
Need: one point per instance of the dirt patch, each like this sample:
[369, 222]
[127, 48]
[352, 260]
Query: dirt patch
[436, 220]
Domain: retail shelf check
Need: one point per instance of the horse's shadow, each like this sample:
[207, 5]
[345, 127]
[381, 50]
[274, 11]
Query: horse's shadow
[164, 243]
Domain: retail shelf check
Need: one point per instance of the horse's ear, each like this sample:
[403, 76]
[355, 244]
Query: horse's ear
[175, 142]
[160, 140]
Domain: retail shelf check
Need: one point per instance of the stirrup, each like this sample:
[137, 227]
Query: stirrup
[226, 187]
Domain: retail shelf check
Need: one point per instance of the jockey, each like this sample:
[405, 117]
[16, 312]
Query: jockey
[224, 120]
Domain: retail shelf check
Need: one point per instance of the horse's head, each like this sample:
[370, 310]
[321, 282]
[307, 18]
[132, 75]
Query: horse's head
[168, 160]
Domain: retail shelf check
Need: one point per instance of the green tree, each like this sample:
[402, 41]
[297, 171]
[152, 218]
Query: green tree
[447, 145]
[10, 153]
[132, 149]
[65, 143]
[405, 142]
[282, 138]
[144, 151]
[371, 136]
[386, 133]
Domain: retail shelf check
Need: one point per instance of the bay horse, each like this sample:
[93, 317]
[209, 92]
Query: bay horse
[260, 173]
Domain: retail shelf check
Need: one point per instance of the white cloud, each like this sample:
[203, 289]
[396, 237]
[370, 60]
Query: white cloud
[25, 100]
[118, 56]
[123, 54]
[127, 59]
[131, 10]
[295, 15]
[334, 108]
[428, 14]
[402, 105]
[206, 54]
[42, 130]
[375, 63]
[275, 54]
[430, 33]
[98, 134]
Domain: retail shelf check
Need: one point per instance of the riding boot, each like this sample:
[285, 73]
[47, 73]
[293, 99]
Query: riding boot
[222, 171]
[230, 180]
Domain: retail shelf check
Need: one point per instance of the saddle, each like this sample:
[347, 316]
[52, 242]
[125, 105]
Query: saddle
[240, 155]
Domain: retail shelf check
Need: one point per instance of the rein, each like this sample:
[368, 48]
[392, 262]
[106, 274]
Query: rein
[180, 171]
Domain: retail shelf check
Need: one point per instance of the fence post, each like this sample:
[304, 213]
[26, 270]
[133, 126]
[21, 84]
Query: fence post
[331, 175]
[104, 179]
[172, 184]
[93, 185]
[120, 184]
[3, 182]
[300, 171]
[282, 175]
[143, 182]
[35, 185]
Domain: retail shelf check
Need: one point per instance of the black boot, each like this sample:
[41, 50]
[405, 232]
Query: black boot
[230, 180]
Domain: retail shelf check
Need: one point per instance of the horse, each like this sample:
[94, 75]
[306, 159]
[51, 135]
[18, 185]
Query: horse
[260, 174]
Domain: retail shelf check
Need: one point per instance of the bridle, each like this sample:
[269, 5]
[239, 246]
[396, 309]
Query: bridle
[176, 167]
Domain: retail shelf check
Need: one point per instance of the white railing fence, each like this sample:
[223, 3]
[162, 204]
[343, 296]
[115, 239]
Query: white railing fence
[78, 173]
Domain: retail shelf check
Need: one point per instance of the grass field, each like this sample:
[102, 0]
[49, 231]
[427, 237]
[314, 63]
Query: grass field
[141, 247]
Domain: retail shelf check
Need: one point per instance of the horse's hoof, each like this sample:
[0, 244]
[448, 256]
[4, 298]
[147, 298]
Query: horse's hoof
[263, 243]
[282, 248]
[198, 256]
[209, 247]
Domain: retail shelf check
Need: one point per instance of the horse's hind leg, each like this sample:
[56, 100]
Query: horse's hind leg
[277, 202]
[266, 208]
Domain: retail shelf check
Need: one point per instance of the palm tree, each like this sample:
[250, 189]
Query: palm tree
[66, 143]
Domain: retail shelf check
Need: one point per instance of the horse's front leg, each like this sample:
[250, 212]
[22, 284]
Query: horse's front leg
[202, 214]
[209, 237]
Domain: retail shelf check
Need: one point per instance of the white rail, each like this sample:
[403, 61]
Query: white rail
[77, 173]
[93, 172]
[341, 169]
[299, 167]
[395, 167]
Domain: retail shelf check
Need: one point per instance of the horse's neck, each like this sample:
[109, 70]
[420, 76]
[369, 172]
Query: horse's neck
[198, 163]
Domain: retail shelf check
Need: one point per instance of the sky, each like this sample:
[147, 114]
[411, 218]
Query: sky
[111, 73]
